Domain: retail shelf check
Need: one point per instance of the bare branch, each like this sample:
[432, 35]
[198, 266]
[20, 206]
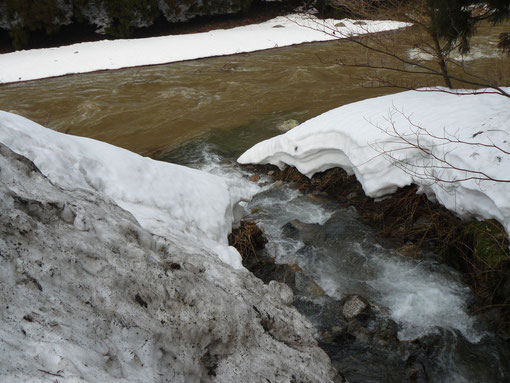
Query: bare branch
[421, 37]
[432, 166]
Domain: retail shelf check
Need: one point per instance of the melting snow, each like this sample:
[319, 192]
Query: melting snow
[114, 54]
[451, 145]
[169, 200]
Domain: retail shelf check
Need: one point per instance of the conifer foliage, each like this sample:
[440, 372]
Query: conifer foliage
[455, 21]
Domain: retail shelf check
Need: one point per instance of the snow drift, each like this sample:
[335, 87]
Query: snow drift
[88, 295]
[456, 147]
[114, 54]
[168, 200]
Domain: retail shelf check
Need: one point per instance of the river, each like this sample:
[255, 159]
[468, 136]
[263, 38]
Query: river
[205, 113]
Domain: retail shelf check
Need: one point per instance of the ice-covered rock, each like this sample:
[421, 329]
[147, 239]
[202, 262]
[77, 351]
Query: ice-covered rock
[90, 295]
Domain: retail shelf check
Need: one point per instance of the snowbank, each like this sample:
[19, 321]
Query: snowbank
[168, 200]
[379, 141]
[90, 296]
[103, 55]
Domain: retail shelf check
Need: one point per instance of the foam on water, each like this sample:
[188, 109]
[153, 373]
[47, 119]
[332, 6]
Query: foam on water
[421, 296]
[278, 205]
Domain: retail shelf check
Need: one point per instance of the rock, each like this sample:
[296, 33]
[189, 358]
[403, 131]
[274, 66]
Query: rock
[287, 125]
[351, 195]
[307, 286]
[306, 232]
[255, 178]
[354, 306]
[386, 330]
[290, 230]
[359, 332]
[410, 250]
[270, 173]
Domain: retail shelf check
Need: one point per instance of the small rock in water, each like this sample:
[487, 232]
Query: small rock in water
[354, 306]
[307, 286]
[353, 211]
[290, 230]
[255, 178]
[352, 195]
[285, 126]
[270, 173]
[410, 250]
[295, 267]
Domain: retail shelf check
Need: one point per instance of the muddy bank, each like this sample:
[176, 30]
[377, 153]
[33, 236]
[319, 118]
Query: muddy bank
[415, 225]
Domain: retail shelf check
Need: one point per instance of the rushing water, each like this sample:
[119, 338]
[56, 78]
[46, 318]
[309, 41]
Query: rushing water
[343, 256]
[205, 113]
[153, 109]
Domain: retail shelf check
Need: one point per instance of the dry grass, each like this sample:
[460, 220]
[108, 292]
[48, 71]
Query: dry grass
[248, 239]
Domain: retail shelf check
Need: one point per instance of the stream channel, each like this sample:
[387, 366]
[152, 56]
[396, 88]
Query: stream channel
[204, 114]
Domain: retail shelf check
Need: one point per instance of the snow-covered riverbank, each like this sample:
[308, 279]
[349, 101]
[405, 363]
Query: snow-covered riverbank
[96, 292]
[115, 54]
[168, 200]
[455, 147]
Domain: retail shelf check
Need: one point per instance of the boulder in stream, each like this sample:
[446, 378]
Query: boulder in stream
[354, 306]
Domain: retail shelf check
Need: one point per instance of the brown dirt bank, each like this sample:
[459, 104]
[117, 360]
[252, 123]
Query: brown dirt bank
[477, 249]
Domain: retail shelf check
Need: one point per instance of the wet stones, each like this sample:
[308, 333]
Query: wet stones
[287, 125]
[308, 233]
[306, 286]
[354, 306]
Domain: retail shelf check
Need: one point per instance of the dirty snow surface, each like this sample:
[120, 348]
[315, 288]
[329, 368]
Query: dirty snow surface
[456, 147]
[114, 54]
[90, 294]
[168, 200]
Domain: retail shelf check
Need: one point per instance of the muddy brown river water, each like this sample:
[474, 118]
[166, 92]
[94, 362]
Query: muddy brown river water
[205, 113]
[153, 109]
